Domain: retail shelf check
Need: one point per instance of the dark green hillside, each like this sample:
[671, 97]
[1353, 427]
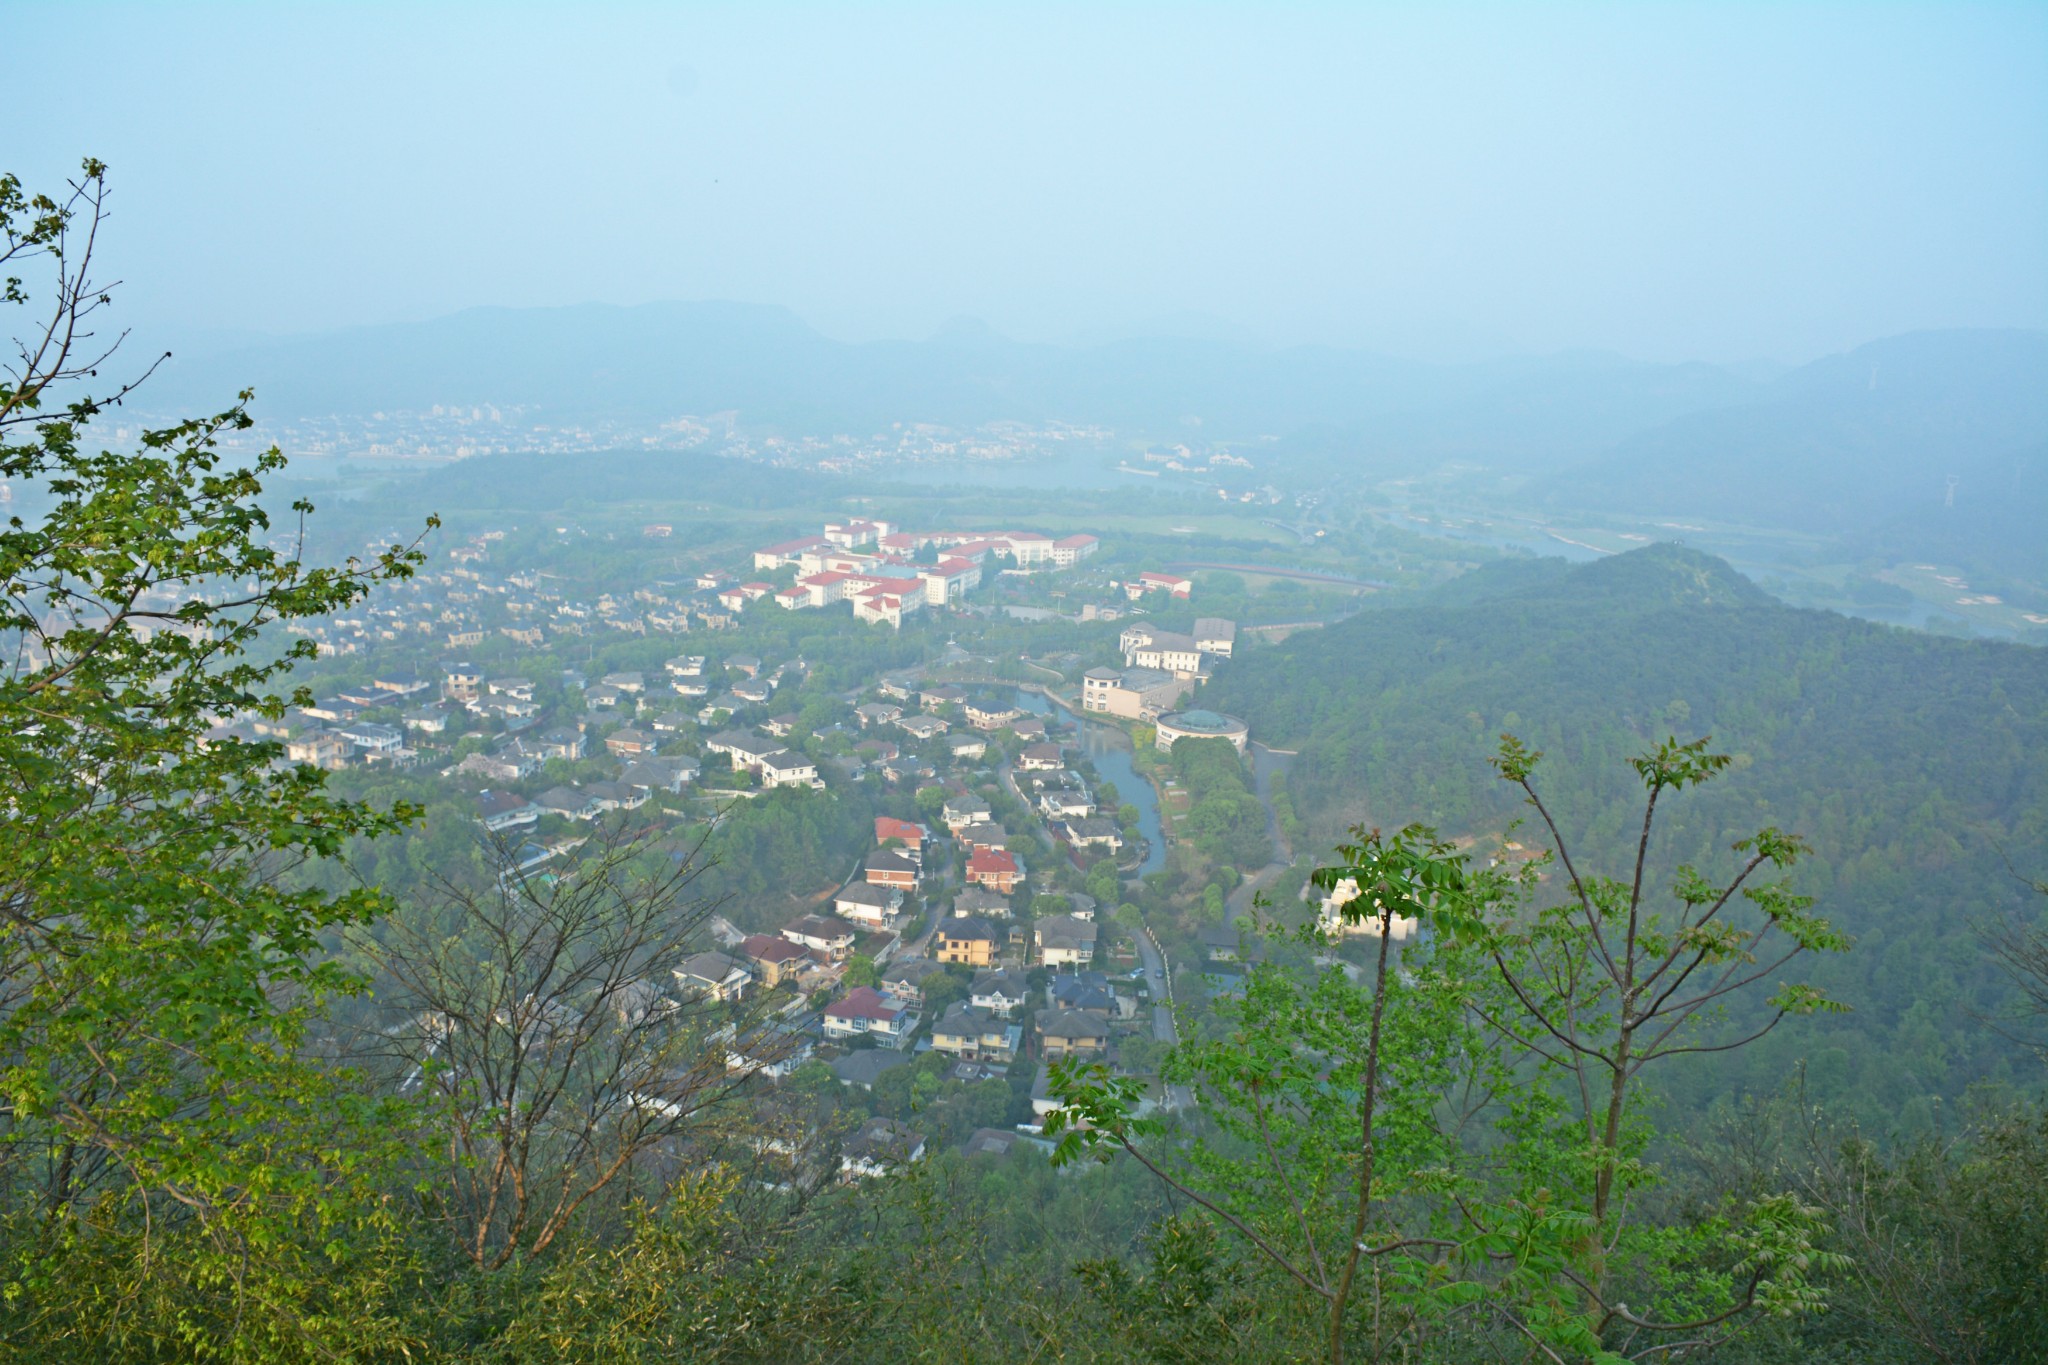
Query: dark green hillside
[1914, 764]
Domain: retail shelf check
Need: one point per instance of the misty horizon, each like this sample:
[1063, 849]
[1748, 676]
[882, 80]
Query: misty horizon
[1727, 184]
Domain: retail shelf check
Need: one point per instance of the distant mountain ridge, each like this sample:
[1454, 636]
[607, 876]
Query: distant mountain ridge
[1843, 444]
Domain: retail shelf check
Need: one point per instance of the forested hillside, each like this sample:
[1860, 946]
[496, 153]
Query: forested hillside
[1917, 766]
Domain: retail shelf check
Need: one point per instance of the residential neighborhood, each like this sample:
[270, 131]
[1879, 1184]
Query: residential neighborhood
[952, 925]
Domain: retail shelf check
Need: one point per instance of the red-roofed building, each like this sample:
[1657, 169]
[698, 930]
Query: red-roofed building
[886, 605]
[950, 579]
[995, 869]
[912, 836]
[1158, 582]
[1071, 551]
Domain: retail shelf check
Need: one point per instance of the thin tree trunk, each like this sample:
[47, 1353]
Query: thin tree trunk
[1365, 1148]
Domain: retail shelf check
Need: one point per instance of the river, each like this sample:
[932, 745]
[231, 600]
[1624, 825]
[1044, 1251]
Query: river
[1109, 749]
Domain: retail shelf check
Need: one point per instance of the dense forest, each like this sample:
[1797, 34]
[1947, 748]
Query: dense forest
[1917, 767]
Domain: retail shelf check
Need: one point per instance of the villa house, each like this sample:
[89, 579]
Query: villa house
[773, 1050]
[911, 836]
[984, 834]
[975, 1034]
[788, 768]
[568, 801]
[714, 976]
[1223, 943]
[1000, 992]
[963, 810]
[863, 1068]
[945, 694]
[1040, 758]
[1064, 941]
[906, 979]
[660, 774]
[868, 904]
[1071, 1033]
[830, 939]
[629, 743]
[887, 867]
[461, 682]
[774, 959]
[881, 1146]
[866, 1012]
[979, 900]
[564, 741]
[1093, 832]
[995, 869]
[500, 811]
[984, 715]
[971, 940]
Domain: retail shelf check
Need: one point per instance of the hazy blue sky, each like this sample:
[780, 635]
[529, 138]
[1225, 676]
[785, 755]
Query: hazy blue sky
[1717, 181]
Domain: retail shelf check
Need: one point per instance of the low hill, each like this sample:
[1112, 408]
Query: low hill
[1914, 764]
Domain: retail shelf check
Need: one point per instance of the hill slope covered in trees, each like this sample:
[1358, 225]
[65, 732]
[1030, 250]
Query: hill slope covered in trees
[1915, 765]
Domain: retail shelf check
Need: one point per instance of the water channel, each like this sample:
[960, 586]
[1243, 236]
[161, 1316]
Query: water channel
[1109, 749]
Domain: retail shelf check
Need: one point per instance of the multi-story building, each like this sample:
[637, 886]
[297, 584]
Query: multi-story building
[1134, 693]
[1166, 650]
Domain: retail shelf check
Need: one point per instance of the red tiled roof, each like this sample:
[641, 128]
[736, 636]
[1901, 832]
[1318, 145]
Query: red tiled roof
[990, 860]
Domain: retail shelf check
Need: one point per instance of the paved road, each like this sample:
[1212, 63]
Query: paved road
[1177, 1096]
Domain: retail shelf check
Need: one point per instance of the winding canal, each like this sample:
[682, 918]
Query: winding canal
[1109, 749]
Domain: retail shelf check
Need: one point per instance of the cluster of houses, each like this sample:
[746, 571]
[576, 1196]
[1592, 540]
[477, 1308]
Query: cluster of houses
[335, 731]
[460, 605]
[873, 565]
[915, 732]
[978, 923]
